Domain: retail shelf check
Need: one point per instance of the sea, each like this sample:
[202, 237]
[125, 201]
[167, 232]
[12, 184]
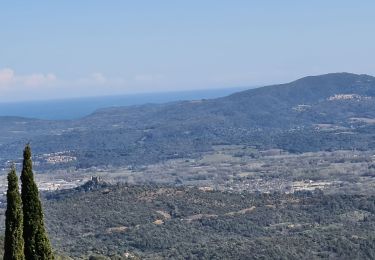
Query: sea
[74, 108]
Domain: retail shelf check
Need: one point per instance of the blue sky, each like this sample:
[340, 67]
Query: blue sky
[57, 49]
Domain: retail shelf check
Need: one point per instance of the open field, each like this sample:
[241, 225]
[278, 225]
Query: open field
[237, 168]
[240, 168]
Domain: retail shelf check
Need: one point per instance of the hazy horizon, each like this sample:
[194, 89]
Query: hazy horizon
[74, 108]
[55, 50]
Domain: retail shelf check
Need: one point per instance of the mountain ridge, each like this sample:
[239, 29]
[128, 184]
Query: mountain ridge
[274, 116]
[309, 90]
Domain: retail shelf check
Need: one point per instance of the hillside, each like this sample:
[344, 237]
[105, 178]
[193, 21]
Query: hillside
[327, 112]
[163, 222]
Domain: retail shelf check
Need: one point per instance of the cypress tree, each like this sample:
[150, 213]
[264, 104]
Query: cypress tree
[37, 245]
[13, 243]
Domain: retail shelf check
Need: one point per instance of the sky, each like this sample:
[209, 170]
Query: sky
[60, 49]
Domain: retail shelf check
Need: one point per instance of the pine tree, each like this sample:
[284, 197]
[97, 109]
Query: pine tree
[13, 243]
[37, 245]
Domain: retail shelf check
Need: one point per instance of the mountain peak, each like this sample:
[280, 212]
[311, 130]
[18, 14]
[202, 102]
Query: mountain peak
[336, 76]
[307, 90]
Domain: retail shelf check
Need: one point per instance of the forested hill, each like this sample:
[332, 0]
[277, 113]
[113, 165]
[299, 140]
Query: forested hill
[333, 111]
[313, 89]
[327, 98]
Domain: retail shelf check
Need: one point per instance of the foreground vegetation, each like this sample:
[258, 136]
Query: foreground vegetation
[162, 222]
[25, 236]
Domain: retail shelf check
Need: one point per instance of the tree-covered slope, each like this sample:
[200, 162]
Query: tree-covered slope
[318, 108]
[161, 222]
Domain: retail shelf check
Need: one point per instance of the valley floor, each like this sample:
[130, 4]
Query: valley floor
[233, 203]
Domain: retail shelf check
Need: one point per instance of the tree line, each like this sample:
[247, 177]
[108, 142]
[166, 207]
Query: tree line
[25, 234]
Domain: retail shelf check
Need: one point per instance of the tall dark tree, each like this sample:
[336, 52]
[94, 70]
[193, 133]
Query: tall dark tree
[13, 243]
[37, 245]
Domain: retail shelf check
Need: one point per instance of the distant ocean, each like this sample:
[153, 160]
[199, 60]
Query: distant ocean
[79, 107]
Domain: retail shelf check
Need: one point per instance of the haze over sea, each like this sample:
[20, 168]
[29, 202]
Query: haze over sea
[65, 109]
